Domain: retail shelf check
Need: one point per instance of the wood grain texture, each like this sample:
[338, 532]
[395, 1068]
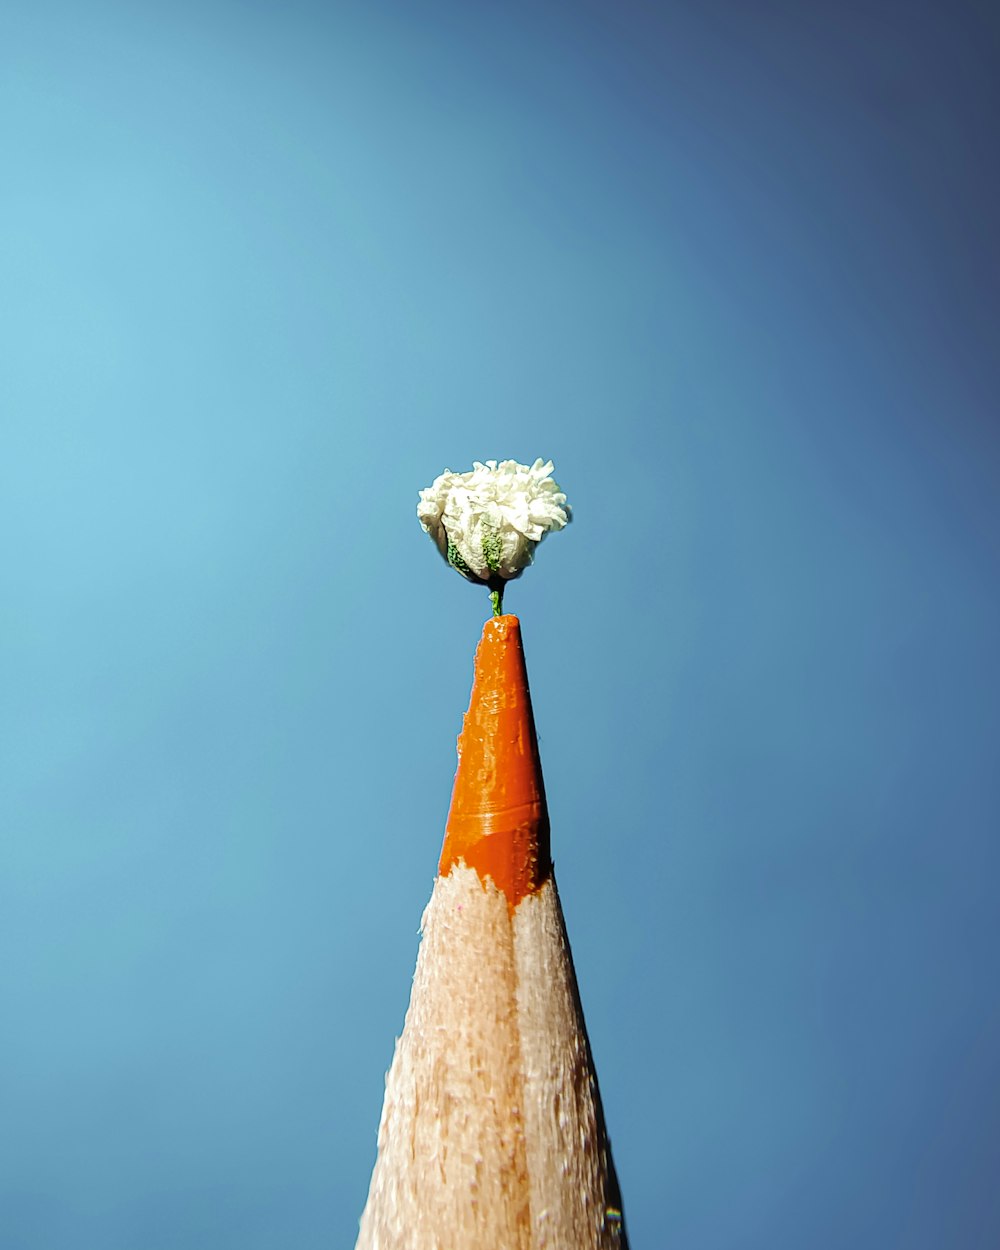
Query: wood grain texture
[573, 1190]
[492, 1135]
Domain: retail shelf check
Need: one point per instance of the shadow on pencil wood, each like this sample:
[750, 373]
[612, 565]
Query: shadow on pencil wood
[575, 1196]
[613, 1187]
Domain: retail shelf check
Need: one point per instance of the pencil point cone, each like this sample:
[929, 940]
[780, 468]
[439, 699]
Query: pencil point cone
[498, 823]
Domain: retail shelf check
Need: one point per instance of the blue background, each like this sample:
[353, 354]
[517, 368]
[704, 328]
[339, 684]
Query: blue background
[266, 270]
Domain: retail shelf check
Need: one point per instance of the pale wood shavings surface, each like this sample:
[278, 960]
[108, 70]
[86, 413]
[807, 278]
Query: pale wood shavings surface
[568, 1163]
[450, 1173]
[491, 1135]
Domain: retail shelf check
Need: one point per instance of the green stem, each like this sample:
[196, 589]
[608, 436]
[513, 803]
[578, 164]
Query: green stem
[496, 595]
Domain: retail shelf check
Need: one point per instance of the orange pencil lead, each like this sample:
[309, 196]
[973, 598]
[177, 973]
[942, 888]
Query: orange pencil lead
[498, 823]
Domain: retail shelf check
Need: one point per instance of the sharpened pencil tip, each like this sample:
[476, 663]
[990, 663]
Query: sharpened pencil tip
[498, 822]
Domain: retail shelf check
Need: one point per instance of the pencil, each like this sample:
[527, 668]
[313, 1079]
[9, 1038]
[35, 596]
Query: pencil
[492, 1134]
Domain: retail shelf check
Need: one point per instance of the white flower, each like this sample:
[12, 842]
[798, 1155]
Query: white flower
[488, 522]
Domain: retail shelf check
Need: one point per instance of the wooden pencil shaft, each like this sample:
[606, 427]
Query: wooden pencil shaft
[492, 1135]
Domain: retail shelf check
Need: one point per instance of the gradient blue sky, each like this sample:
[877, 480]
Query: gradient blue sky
[266, 270]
